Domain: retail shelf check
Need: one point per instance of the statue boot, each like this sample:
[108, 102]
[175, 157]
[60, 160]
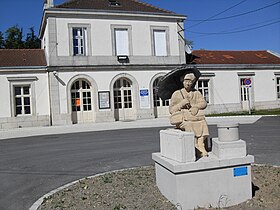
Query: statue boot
[200, 146]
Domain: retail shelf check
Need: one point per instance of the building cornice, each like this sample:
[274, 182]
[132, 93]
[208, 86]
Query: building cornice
[113, 68]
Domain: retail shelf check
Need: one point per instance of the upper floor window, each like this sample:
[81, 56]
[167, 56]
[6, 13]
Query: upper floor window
[79, 41]
[121, 41]
[79, 35]
[160, 43]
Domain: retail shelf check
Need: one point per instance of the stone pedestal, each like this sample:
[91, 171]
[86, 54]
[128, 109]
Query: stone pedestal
[177, 145]
[208, 182]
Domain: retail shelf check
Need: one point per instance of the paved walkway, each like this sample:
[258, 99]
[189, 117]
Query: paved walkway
[157, 122]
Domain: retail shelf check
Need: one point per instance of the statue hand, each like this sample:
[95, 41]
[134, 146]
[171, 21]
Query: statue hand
[194, 110]
[184, 104]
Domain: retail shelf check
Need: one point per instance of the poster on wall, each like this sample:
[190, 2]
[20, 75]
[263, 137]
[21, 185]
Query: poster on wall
[104, 99]
[144, 98]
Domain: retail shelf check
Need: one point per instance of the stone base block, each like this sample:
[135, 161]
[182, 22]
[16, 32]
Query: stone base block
[205, 183]
[177, 145]
[226, 150]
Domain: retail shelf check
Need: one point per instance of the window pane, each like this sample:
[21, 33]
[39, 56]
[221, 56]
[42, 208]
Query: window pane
[76, 50]
[17, 91]
[27, 110]
[75, 32]
[18, 111]
[25, 90]
[18, 101]
[26, 101]
[75, 42]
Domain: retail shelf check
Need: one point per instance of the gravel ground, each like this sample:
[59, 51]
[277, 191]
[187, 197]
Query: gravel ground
[136, 189]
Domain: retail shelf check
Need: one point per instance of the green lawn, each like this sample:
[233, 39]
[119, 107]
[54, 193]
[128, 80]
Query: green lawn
[253, 112]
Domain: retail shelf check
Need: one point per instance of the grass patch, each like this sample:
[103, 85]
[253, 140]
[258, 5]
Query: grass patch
[253, 112]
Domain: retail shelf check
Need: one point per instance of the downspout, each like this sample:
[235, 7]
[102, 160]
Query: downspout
[50, 99]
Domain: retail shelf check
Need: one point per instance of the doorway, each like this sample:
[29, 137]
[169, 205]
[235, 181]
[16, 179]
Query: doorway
[81, 101]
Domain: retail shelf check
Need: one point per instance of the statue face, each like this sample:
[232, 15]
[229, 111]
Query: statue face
[187, 84]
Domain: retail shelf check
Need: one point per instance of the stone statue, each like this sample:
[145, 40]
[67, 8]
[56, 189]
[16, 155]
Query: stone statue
[187, 105]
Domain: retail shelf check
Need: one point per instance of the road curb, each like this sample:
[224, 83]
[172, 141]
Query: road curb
[39, 202]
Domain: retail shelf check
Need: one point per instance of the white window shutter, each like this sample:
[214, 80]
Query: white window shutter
[121, 36]
[160, 43]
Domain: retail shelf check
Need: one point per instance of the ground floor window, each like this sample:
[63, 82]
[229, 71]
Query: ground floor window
[158, 102]
[203, 87]
[278, 87]
[22, 96]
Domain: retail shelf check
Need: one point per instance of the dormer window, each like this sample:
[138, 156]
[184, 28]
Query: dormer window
[114, 3]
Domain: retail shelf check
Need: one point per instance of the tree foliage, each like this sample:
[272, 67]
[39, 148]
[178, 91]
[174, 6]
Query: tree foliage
[2, 41]
[14, 39]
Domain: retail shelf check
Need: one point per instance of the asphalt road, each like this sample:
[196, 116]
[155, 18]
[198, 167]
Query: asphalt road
[33, 166]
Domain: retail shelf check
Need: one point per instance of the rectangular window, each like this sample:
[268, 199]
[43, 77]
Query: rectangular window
[22, 97]
[121, 41]
[278, 87]
[203, 87]
[79, 41]
[160, 44]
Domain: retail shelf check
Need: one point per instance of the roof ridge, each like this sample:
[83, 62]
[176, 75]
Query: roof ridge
[150, 5]
[233, 50]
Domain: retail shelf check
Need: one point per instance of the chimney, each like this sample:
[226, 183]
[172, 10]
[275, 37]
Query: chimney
[48, 4]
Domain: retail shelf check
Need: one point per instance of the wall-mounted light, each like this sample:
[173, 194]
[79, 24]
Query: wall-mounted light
[123, 58]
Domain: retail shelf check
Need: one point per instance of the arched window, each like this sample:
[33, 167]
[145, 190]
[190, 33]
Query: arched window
[122, 94]
[157, 101]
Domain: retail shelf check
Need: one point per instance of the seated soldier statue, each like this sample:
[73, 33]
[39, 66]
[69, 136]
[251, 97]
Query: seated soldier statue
[189, 104]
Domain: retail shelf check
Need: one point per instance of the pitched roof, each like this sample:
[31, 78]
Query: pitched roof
[113, 5]
[22, 57]
[235, 57]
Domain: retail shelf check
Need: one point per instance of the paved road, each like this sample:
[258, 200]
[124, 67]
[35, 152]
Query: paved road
[33, 166]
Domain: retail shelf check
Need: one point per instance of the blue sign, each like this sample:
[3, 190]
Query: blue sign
[144, 92]
[240, 171]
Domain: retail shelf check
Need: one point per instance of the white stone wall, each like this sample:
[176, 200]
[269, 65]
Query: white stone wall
[101, 39]
[39, 99]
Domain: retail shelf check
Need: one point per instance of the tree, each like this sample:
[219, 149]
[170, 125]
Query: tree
[2, 41]
[32, 41]
[14, 38]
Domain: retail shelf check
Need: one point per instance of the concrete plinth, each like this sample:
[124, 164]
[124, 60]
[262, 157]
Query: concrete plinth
[226, 150]
[206, 183]
[221, 180]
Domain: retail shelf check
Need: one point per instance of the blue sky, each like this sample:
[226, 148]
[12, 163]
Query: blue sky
[211, 24]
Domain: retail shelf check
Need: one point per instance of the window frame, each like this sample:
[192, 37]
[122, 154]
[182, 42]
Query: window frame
[277, 85]
[21, 82]
[209, 77]
[115, 27]
[166, 30]
[86, 28]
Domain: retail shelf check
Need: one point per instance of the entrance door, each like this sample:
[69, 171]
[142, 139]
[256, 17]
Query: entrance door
[81, 99]
[123, 100]
[246, 96]
[161, 107]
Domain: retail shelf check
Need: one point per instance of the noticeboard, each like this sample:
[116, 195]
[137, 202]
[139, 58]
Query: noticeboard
[104, 99]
